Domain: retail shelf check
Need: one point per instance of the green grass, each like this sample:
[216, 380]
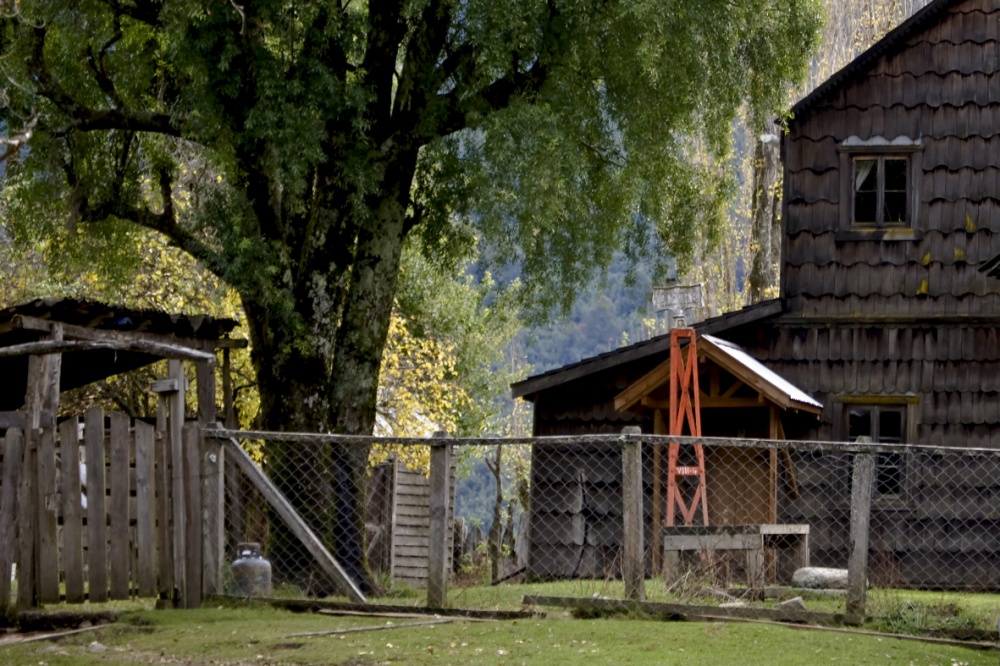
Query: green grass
[261, 635]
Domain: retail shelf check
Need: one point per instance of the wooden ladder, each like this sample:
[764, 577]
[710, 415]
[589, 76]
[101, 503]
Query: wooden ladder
[685, 409]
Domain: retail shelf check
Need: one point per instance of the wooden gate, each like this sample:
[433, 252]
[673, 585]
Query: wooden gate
[87, 511]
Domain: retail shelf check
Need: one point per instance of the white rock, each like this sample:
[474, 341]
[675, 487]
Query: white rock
[795, 603]
[96, 647]
[734, 604]
[820, 578]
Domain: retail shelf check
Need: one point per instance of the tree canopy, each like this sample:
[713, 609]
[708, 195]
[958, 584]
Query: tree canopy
[289, 146]
[292, 146]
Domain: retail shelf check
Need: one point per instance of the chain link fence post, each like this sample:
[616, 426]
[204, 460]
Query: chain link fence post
[857, 564]
[633, 564]
[437, 556]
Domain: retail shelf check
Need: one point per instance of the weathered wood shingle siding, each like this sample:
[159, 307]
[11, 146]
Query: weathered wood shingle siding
[902, 316]
[943, 87]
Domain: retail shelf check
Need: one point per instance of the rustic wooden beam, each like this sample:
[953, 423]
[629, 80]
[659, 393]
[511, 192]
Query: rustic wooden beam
[140, 346]
[295, 523]
[166, 385]
[679, 611]
[11, 420]
[74, 332]
[315, 605]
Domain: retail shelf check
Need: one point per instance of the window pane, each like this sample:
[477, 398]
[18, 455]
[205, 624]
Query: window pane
[895, 191]
[865, 207]
[866, 191]
[890, 425]
[895, 174]
[859, 423]
[895, 208]
[865, 175]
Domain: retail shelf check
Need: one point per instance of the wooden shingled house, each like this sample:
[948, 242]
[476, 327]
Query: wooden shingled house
[889, 306]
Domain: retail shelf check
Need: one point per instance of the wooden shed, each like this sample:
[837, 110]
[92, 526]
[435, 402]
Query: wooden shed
[575, 526]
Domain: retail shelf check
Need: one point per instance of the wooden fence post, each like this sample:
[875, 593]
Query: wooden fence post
[193, 515]
[13, 451]
[212, 483]
[857, 565]
[633, 564]
[437, 556]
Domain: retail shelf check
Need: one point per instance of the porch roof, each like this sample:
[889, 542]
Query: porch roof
[737, 362]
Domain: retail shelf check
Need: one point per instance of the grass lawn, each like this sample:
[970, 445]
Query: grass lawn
[256, 634]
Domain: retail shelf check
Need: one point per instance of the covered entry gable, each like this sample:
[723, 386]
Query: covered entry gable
[734, 379]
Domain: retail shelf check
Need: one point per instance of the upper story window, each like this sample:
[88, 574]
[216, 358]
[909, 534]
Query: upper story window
[881, 185]
[878, 188]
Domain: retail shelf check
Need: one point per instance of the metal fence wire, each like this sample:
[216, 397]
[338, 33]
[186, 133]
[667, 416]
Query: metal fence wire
[729, 512]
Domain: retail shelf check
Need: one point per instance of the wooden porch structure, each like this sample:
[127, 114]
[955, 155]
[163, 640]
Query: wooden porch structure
[740, 485]
[108, 507]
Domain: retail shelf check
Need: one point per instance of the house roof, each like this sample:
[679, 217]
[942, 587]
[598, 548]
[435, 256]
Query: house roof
[737, 362]
[89, 320]
[893, 40]
[640, 350]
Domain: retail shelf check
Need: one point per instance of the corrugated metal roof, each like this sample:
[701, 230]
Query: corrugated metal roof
[737, 353]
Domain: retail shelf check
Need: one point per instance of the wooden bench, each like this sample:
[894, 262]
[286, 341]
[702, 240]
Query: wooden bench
[790, 541]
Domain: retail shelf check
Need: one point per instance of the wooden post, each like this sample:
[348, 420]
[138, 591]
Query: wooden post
[164, 557]
[437, 555]
[41, 403]
[212, 486]
[659, 428]
[97, 554]
[633, 564]
[175, 424]
[192, 503]
[228, 410]
[857, 565]
[13, 451]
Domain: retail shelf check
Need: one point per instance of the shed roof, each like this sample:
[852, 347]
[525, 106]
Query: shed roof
[737, 362]
[660, 344]
[90, 320]
[894, 40]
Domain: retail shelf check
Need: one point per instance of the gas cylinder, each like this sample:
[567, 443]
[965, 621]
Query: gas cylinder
[251, 572]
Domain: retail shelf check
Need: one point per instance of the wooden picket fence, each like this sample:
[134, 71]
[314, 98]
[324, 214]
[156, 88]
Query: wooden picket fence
[86, 512]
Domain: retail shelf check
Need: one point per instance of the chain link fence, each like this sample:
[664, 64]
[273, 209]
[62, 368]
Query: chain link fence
[717, 517]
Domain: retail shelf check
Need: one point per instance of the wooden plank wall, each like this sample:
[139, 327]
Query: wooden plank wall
[411, 531]
[95, 503]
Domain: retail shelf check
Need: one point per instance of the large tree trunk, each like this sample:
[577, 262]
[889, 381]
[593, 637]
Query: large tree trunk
[326, 380]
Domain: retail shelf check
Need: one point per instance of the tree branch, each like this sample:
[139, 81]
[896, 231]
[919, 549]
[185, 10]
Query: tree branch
[80, 116]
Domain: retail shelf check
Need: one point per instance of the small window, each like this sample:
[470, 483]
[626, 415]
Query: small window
[884, 424]
[880, 191]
